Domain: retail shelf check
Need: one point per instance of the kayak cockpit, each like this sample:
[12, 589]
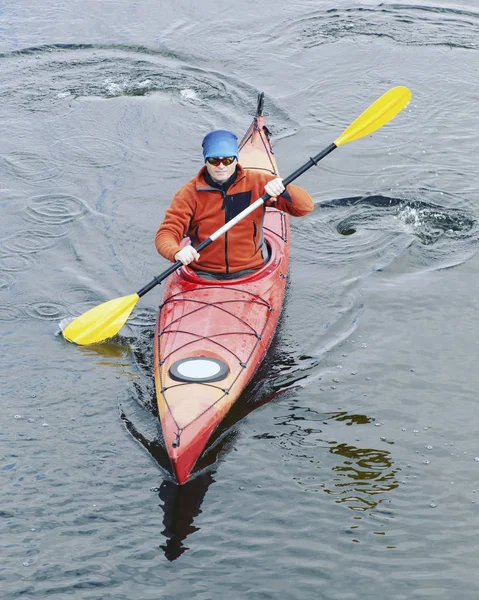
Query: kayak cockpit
[276, 231]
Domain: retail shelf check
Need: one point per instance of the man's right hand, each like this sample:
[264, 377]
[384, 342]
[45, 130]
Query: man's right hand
[187, 254]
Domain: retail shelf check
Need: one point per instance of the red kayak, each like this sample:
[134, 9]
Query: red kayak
[212, 335]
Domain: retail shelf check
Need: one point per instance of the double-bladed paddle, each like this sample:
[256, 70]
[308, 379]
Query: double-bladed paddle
[106, 320]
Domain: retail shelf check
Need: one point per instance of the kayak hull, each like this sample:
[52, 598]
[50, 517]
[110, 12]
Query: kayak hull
[211, 335]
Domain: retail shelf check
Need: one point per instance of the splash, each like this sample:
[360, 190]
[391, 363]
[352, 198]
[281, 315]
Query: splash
[448, 230]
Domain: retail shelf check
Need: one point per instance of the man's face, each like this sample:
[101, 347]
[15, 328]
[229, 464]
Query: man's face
[220, 172]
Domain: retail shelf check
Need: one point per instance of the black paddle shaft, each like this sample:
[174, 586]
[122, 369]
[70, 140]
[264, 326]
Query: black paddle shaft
[311, 162]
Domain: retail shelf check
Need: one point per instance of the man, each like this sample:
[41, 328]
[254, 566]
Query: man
[219, 192]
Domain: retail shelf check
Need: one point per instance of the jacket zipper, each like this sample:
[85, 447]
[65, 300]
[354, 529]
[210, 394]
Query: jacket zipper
[227, 269]
[208, 189]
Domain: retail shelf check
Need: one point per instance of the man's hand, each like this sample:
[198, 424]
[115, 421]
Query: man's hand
[274, 188]
[187, 254]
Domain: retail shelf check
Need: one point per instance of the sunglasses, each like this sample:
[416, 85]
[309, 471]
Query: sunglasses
[215, 160]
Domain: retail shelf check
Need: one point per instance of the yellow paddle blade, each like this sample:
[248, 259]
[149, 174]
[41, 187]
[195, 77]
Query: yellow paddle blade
[378, 114]
[102, 322]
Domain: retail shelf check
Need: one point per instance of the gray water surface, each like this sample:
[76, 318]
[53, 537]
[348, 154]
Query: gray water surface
[349, 469]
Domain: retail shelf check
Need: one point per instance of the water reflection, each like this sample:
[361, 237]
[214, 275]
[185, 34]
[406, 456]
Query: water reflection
[363, 478]
[181, 505]
[112, 354]
[107, 350]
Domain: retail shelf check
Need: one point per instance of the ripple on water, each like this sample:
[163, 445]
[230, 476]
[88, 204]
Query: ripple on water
[15, 263]
[143, 317]
[30, 167]
[11, 313]
[426, 220]
[46, 311]
[56, 209]
[5, 281]
[74, 300]
[411, 25]
[88, 151]
[79, 295]
[31, 241]
[71, 71]
[389, 226]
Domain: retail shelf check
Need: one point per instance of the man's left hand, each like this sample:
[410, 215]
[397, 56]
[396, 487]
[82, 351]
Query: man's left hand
[274, 188]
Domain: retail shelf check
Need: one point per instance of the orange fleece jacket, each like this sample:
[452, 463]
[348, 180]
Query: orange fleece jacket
[198, 210]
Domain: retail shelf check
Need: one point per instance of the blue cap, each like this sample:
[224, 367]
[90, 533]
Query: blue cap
[220, 143]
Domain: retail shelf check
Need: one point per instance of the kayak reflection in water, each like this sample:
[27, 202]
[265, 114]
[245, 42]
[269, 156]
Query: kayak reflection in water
[218, 193]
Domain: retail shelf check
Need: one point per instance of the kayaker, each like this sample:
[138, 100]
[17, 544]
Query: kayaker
[220, 191]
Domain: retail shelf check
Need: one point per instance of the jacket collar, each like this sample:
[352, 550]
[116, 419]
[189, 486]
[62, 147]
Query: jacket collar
[202, 185]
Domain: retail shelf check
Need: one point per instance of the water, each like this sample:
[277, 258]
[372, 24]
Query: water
[350, 467]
